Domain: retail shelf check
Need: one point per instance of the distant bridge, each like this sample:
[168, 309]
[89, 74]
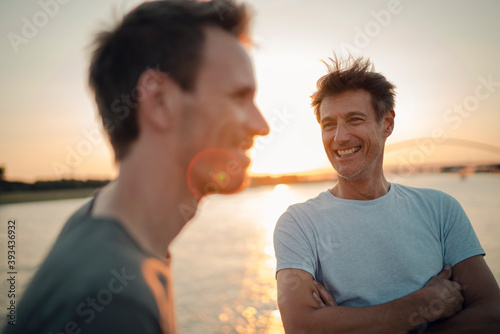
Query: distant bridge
[440, 142]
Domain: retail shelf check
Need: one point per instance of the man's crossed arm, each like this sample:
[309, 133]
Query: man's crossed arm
[307, 307]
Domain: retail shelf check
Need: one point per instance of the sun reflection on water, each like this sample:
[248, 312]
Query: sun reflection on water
[256, 309]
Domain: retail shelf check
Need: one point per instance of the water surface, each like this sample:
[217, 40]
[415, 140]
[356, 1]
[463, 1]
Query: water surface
[223, 261]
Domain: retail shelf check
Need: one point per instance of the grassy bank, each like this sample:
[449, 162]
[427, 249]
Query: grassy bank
[46, 195]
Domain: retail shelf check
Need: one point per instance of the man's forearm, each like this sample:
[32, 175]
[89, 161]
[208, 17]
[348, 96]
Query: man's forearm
[439, 299]
[481, 313]
[398, 316]
[476, 318]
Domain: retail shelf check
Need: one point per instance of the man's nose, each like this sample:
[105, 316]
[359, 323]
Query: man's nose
[257, 123]
[341, 134]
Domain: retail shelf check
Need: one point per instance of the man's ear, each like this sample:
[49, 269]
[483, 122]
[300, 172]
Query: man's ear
[157, 96]
[388, 122]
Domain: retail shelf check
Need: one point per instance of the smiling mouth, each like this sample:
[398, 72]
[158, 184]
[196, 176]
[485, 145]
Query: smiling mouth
[346, 153]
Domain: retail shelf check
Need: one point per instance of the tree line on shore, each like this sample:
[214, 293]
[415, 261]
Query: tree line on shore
[63, 184]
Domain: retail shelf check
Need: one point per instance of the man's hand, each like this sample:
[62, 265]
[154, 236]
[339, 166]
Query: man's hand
[481, 307]
[325, 298]
[448, 298]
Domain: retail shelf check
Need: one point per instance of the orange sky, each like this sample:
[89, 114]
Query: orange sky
[443, 57]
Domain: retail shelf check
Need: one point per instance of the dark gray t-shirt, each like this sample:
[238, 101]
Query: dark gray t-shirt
[96, 279]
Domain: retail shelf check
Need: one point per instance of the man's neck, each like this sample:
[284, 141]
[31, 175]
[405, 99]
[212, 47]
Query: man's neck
[152, 211]
[361, 189]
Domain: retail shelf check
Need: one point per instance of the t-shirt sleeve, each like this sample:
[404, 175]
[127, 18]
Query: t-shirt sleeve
[459, 238]
[292, 247]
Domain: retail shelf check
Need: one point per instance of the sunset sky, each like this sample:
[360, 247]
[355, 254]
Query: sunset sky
[442, 55]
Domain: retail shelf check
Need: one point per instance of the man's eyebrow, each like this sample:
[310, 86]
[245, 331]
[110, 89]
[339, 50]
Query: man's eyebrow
[355, 113]
[326, 119]
[348, 115]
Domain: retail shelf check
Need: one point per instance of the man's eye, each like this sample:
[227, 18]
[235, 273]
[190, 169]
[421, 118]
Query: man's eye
[328, 125]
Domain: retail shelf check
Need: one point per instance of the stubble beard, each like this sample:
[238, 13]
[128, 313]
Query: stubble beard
[362, 168]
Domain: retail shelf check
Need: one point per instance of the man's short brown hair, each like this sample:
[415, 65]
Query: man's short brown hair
[353, 74]
[165, 35]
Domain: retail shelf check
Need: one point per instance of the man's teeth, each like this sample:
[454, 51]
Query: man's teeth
[343, 153]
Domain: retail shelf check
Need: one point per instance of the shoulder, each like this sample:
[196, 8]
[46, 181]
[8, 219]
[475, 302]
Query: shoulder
[421, 194]
[92, 252]
[92, 263]
[78, 215]
[312, 205]
[304, 219]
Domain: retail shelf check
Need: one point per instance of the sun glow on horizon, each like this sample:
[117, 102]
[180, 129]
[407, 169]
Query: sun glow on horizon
[48, 110]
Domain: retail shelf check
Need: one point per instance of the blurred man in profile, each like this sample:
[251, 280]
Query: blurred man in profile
[175, 91]
[370, 256]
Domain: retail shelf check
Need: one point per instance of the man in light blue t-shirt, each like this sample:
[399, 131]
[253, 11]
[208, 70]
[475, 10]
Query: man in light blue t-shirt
[369, 256]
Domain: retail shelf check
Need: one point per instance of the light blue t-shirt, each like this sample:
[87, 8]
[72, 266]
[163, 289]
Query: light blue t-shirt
[371, 252]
